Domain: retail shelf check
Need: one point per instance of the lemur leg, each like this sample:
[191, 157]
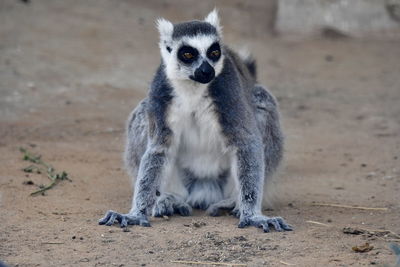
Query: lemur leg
[173, 194]
[147, 184]
[250, 173]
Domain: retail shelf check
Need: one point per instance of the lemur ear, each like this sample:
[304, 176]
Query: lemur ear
[213, 19]
[166, 28]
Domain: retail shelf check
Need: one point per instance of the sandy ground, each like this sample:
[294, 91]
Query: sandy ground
[71, 71]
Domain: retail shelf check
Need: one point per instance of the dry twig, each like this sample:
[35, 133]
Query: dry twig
[318, 223]
[286, 263]
[348, 207]
[210, 263]
[370, 232]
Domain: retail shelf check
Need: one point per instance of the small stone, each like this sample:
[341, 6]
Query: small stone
[198, 224]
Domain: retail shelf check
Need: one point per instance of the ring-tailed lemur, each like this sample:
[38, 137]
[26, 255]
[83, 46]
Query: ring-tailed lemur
[207, 135]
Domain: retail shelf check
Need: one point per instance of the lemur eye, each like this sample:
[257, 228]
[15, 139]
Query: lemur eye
[188, 55]
[214, 52]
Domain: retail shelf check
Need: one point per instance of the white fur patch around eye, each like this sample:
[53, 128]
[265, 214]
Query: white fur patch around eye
[200, 42]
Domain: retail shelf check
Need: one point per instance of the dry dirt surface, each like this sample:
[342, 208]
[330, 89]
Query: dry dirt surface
[70, 73]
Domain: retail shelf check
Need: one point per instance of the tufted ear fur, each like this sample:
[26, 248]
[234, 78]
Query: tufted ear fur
[166, 29]
[213, 19]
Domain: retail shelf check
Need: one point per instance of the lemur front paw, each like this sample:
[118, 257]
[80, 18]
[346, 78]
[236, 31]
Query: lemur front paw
[124, 219]
[264, 222]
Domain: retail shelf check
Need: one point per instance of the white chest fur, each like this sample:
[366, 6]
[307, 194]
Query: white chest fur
[198, 143]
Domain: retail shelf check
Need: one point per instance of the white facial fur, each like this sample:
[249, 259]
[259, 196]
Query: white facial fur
[175, 69]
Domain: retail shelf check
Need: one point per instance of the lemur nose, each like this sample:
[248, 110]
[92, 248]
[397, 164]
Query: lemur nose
[204, 73]
[206, 68]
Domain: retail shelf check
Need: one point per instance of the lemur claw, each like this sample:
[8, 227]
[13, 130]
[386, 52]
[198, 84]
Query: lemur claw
[124, 219]
[264, 222]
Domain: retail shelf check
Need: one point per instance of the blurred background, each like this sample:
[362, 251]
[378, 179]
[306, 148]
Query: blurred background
[71, 71]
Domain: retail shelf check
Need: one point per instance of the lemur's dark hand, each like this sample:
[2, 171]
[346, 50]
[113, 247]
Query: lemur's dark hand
[124, 219]
[264, 222]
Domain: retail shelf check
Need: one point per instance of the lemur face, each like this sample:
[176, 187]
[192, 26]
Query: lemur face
[197, 58]
[192, 50]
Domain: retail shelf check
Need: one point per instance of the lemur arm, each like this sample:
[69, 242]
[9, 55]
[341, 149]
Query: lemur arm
[250, 174]
[150, 168]
[148, 180]
[146, 187]
[250, 167]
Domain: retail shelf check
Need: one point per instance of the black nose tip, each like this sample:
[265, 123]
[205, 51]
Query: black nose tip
[206, 68]
[205, 73]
